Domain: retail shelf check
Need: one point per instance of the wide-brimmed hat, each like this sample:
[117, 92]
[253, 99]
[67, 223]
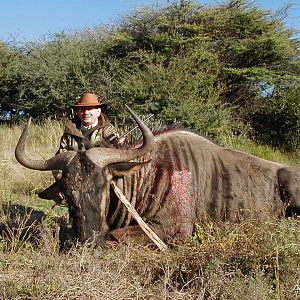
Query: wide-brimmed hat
[89, 99]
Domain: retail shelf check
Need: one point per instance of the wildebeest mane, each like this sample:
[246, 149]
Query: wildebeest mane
[136, 139]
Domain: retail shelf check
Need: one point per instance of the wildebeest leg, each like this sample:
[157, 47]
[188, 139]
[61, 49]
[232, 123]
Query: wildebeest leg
[289, 188]
[130, 233]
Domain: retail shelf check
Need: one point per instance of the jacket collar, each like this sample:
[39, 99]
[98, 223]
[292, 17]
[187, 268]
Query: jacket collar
[72, 127]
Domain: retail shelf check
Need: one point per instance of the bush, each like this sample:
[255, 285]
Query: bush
[206, 67]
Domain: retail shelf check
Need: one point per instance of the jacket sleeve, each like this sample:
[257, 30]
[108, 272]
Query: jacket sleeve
[66, 143]
[110, 134]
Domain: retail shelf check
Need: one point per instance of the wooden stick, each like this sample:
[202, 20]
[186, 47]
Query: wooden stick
[150, 233]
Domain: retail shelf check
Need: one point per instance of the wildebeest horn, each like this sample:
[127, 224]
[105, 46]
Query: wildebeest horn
[107, 156]
[148, 139]
[57, 162]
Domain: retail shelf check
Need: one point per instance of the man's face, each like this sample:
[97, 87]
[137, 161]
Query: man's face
[89, 115]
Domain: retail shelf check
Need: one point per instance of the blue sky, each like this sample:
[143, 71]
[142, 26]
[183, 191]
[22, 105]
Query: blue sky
[29, 20]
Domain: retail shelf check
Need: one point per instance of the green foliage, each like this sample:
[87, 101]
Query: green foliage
[186, 90]
[276, 122]
[10, 78]
[206, 67]
[57, 72]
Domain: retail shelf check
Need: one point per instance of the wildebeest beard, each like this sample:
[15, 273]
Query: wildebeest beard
[94, 208]
[84, 187]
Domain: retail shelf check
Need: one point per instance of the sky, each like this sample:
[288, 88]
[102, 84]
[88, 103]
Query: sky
[30, 20]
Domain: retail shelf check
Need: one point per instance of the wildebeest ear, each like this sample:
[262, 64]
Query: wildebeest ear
[121, 169]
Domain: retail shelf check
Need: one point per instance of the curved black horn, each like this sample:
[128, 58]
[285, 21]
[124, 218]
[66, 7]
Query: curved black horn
[105, 156]
[57, 162]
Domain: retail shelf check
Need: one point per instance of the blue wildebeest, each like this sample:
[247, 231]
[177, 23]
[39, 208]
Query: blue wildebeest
[173, 179]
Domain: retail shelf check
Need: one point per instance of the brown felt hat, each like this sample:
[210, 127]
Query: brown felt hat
[88, 99]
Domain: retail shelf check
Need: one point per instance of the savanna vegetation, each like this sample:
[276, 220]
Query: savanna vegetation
[230, 71]
[229, 68]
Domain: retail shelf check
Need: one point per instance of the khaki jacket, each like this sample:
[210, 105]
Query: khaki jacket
[73, 139]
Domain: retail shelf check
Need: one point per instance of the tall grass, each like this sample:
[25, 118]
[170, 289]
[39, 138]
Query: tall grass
[42, 143]
[249, 260]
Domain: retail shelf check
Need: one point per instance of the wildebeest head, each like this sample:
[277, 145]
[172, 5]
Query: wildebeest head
[86, 177]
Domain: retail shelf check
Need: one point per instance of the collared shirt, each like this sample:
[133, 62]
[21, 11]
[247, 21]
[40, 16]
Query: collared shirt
[82, 127]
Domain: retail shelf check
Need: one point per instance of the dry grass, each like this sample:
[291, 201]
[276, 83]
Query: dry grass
[253, 261]
[42, 143]
[222, 261]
